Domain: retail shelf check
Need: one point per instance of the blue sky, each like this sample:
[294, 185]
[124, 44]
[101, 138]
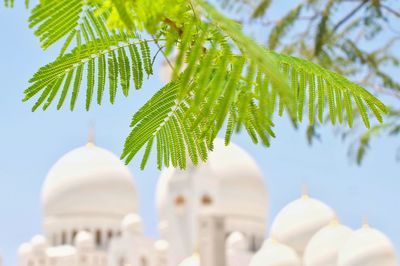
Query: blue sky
[31, 142]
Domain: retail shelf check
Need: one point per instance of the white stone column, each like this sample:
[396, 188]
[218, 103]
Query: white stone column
[212, 240]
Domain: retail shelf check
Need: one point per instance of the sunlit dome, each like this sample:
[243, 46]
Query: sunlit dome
[89, 180]
[25, 249]
[39, 244]
[132, 223]
[236, 241]
[161, 245]
[84, 240]
[367, 247]
[273, 253]
[324, 246]
[193, 260]
[232, 173]
[298, 221]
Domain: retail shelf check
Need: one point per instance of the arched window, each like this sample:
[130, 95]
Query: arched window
[206, 200]
[110, 235]
[54, 239]
[180, 200]
[98, 237]
[63, 238]
[254, 246]
[74, 233]
[121, 262]
[143, 261]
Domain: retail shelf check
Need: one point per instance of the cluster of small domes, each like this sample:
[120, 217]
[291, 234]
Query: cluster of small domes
[306, 232]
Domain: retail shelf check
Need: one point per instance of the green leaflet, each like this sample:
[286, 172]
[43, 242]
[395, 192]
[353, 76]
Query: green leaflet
[146, 153]
[112, 75]
[77, 85]
[261, 8]
[90, 84]
[145, 49]
[101, 75]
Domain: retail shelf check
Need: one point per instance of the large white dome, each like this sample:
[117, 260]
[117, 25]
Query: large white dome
[193, 260]
[273, 253]
[231, 173]
[324, 246]
[89, 181]
[367, 247]
[298, 221]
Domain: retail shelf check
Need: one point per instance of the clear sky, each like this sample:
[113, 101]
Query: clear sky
[30, 143]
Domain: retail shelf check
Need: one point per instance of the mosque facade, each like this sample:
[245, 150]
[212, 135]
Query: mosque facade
[214, 214]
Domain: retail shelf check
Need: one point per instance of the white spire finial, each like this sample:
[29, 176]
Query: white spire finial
[91, 135]
[305, 192]
[365, 222]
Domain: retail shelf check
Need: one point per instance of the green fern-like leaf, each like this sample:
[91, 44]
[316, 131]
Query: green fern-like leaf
[83, 60]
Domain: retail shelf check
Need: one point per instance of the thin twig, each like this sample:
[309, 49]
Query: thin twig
[348, 16]
[391, 10]
[162, 51]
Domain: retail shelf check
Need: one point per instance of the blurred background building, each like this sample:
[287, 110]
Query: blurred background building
[213, 214]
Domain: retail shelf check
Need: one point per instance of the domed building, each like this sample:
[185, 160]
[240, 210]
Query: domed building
[228, 185]
[212, 214]
[323, 248]
[89, 189]
[298, 221]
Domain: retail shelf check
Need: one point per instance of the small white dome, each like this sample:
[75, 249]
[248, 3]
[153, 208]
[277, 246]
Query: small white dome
[61, 252]
[25, 249]
[39, 244]
[193, 260]
[84, 241]
[367, 247]
[273, 253]
[324, 246]
[91, 180]
[232, 173]
[132, 223]
[298, 221]
[236, 241]
[161, 245]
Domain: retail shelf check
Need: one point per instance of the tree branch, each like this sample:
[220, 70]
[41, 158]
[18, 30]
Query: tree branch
[348, 16]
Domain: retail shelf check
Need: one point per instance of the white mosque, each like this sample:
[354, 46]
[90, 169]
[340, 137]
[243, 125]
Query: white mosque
[211, 215]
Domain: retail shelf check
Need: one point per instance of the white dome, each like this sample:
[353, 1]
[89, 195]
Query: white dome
[324, 246]
[236, 241]
[84, 240]
[273, 253]
[39, 244]
[161, 245]
[25, 249]
[367, 247]
[298, 221]
[132, 223]
[193, 260]
[89, 180]
[232, 174]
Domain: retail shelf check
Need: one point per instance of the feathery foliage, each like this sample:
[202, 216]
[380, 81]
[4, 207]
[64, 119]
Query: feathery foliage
[357, 39]
[107, 59]
[220, 75]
